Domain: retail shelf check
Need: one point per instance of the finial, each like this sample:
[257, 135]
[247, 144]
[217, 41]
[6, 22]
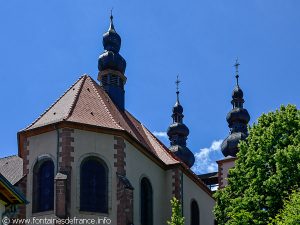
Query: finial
[237, 70]
[177, 87]
[111, 27]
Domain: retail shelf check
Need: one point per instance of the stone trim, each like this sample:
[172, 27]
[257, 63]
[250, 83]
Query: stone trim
[176, 183]
[22, 184]
[220, 170]
[120, 155]
[124, 188]
[65, 148]
[220, 175]
[60, 195]
[65, 159]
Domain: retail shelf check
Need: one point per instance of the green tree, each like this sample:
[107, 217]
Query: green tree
[176, 218]
[267, 168]
[290, 214]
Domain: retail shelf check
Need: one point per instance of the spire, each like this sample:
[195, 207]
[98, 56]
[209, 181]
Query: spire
[111, 26]
[237, 119]
[236, 65]
[178, 132]
[112, 65]
[177, 87]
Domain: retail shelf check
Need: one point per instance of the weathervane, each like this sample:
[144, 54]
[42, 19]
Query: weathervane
[236, 65]
[177, 87]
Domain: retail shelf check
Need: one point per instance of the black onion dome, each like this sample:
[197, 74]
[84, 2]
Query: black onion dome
[240, 115]
[111, 60]
[179, 129]
[184, 154]
[111, 39]
[237, 119]
[178, 133]
[230, 144]
[237, 92]
[177, 108]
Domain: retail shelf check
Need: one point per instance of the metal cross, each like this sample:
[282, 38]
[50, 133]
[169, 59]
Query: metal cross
[237, 70]
[177, 87]
[177, 83]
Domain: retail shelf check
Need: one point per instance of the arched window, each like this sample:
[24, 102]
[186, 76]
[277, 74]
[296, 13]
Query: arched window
[43, 186]
[195, 218]
[146, 202]
[93, 186]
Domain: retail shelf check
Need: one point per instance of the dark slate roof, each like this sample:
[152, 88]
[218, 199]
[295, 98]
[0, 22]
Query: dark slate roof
[11, 167]
[208, 175]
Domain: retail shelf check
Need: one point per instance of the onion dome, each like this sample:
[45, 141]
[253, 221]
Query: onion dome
[111, 39]
[230, 144]
[178, 128]
[177, 108]
[178, 133]
[237, 115]
[111, 59]
[237, 92]
[184, 154]
[237, 119]
[111, 66]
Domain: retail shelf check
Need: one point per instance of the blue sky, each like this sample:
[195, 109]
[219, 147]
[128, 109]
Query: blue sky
[46, 45]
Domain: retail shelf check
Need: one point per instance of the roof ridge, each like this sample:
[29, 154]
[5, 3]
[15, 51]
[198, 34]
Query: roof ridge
[105, 106]
[41, 115]
[174, 156]
[76, 97]
[9, 156]
[161, 144]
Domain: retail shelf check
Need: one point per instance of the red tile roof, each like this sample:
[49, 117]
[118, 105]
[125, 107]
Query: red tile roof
[86, 102]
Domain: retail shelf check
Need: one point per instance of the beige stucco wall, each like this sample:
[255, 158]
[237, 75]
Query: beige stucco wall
[138, 166]
[85, 144]
[100, 145]
[43, 145]
[191, 191]
[225, 166]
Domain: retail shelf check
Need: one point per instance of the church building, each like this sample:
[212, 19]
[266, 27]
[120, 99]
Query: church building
[86, 156]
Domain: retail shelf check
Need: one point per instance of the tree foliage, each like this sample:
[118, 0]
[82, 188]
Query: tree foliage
[267, 169]
[176, 218]
[290, 214]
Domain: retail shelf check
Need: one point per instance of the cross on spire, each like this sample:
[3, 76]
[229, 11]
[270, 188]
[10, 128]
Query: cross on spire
[111, 20]
[236, 65]
[177, 82]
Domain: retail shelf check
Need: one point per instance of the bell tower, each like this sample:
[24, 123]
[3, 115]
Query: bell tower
[178, 133]
[111, 66]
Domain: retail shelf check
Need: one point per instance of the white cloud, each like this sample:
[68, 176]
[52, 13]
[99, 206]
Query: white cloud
[205, 158]
[160, 134]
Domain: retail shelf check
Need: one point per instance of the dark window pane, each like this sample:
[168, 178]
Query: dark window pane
[146, 202]
[43, 186]
[195, 219]
[93, 186]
